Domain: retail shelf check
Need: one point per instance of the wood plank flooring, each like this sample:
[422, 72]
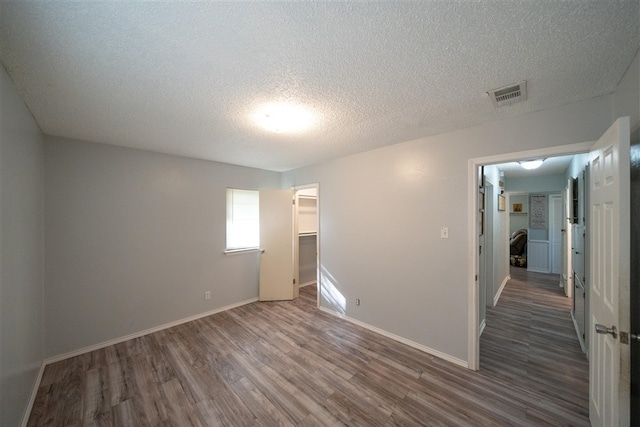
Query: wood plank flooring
[530, 344]
[287, 363]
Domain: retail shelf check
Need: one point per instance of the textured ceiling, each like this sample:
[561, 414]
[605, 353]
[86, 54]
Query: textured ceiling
[184, 77]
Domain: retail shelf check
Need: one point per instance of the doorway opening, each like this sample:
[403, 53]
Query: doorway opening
[476, 292]
[606, 198]
[307, 244]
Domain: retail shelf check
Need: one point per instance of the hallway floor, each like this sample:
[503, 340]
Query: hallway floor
[530, 344]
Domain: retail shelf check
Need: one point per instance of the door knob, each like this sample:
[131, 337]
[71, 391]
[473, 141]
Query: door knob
[601, 329]
[635, 337]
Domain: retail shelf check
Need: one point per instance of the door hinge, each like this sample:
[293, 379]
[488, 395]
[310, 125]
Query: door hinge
[294, 281]
[476, 277]
[480, 250]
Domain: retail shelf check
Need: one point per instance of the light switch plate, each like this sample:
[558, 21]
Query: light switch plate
[444, 232]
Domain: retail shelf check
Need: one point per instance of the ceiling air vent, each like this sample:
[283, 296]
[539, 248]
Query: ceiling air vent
[508, 94]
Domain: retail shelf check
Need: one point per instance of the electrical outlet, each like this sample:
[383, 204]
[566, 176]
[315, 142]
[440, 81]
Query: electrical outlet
[357, 301]
[207, 295]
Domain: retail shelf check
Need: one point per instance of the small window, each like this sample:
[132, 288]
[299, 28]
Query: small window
[243, 219]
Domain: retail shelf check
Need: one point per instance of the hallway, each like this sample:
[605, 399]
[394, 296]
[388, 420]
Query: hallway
[530, 345]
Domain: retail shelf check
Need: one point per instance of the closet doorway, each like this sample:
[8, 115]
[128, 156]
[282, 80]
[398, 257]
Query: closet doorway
[307, 253]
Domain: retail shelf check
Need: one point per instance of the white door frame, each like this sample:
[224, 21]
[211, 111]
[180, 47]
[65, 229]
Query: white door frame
[489, 242]
[473, 338]
[555, 225]
[315, 185]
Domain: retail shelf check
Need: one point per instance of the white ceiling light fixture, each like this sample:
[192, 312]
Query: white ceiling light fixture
[282, 117]
[531, 164]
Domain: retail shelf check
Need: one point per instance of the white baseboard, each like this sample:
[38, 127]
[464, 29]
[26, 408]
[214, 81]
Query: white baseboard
[32, 398]
[312, 282]
[580, 340]
[400, 339]
[482, 326]
[144, 332]
[499, 293]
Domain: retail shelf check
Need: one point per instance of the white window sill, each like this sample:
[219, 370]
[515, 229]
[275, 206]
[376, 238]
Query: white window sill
[240, 251]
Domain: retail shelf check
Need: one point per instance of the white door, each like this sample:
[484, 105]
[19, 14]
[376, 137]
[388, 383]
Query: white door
[566, 243]
[277, 245]
[482, 290]
[556, 227]
[490, 207]
[609, 230]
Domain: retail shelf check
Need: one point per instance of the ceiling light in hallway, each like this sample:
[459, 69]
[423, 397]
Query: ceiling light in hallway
[531, 164]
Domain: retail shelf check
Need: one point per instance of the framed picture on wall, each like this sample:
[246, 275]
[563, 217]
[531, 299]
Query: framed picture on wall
[517, 207]
[502, 202]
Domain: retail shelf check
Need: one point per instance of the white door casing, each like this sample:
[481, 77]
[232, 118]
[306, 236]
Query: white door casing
[555, 231]
[489, 269]
[277, 245]
[482, 284]
[609, 230]
[566, 243]
[473, 179]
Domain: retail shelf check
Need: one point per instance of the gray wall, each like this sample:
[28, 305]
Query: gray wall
[536, 184]
[545, 184]
[133, 240]
[21, 253]
[381, 213]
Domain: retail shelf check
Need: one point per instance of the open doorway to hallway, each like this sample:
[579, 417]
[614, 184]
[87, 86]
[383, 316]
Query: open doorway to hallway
[527, 333]
[605, 210]
[526, 218]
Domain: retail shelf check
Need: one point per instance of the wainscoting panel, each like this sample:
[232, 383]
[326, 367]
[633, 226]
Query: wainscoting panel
[538, 256]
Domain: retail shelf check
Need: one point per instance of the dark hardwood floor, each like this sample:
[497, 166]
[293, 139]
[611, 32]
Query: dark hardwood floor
[287, 363]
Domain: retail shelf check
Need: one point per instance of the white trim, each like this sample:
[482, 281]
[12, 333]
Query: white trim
[579, 335]
[473, 346]
[310, 282]
[315, 185]
[499, 293]
[240, 251]
[32, 398]
[398, 338]
[305, 186]
[560, 150]
[483, 325]
[145, 332]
